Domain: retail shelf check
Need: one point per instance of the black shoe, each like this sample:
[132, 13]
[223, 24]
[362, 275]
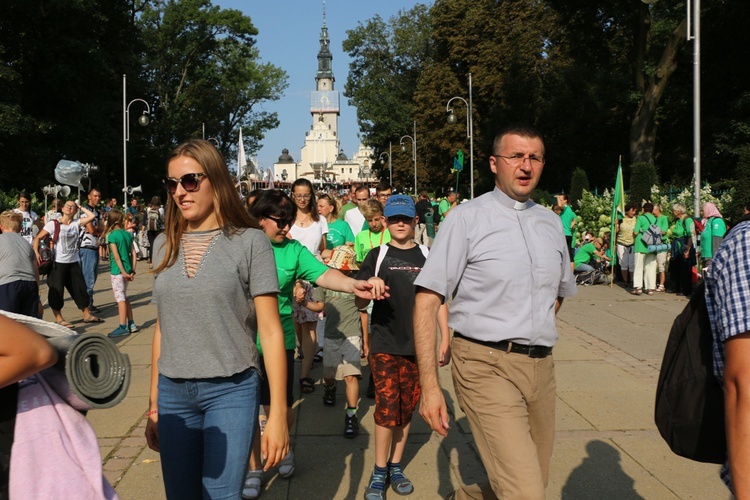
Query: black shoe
[329, 395]
[94, 309]
[351, 426]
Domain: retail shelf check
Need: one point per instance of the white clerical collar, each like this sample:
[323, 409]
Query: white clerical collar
[509, 202]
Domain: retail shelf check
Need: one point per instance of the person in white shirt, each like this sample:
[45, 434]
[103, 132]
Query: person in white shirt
[30, 218]
[354, 217]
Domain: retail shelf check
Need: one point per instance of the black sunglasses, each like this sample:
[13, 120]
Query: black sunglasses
[281, 223]
[189, 182]
[395, 219]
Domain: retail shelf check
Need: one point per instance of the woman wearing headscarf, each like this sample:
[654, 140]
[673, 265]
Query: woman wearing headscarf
[714, 230]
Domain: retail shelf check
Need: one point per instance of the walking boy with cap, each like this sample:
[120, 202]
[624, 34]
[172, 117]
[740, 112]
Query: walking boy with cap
[392, 356]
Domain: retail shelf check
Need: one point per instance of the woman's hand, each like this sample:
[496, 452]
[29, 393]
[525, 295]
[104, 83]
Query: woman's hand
[274, 443]
[444, 353]
[152, 431]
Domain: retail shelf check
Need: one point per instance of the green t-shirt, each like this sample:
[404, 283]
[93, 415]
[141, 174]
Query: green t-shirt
[663, 222]
[443, 207]
[366, 240]
[683, 228]
[584, 254]
[123, 241]
[715, 228]
[293, 261]
[347, 206]
[567, 216]
[339, 233]
[641, 226]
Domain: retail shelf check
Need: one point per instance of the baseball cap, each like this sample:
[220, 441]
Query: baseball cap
[399, 204]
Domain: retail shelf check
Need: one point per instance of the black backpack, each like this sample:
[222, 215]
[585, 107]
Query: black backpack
[689, 408]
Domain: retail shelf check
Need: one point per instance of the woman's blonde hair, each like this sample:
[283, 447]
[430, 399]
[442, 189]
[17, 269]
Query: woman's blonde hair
[228, 209]
[114, 220]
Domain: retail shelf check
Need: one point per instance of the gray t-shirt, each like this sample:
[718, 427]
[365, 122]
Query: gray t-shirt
[16, 259]
[342, 315]
[208, 324]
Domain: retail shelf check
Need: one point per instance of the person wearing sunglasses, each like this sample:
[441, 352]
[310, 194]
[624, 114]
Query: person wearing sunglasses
[275, 213]
[215, 280]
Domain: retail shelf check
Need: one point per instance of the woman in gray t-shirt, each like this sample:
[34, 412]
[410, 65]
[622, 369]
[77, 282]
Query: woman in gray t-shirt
[215, 285]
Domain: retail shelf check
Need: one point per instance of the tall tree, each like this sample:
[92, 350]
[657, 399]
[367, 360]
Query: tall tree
[203, 68]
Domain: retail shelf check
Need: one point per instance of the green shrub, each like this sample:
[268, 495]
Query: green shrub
[578, 184]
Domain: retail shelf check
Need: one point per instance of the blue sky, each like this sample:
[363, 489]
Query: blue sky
[289, 33]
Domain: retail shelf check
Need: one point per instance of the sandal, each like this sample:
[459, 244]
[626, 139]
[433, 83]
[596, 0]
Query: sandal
[93, 319]
[286, 466]
[253, 484]
[636, 291]
[318, 356]
[660, 288]
[307, 385]
[64, 323]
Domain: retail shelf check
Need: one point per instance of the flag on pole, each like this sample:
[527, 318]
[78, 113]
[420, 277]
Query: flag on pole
[241, 159]
[618, 211]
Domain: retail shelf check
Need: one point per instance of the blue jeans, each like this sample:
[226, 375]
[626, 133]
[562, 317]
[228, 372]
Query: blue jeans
[583, 268]
[206, 428]
[90, 267]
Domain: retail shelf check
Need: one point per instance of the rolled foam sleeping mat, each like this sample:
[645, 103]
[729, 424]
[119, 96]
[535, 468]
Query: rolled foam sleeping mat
[657, 248]
[91, 372]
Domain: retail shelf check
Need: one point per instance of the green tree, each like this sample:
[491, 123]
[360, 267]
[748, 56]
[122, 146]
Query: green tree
[643, 177]
[387, 59]
[578, 183]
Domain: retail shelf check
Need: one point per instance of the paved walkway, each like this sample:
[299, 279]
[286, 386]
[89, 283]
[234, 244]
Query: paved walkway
[607, 446]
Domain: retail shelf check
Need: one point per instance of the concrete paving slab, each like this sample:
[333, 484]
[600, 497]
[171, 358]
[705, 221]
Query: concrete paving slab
[120, 420]
[613, 409]
[597, 374]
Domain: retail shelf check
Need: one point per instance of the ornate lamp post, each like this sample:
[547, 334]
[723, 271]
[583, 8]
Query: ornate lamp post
[413, 152]
[143, 120]
[469, 130]
[390, 167]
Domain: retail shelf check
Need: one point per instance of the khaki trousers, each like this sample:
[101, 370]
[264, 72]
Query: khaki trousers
[509, 400]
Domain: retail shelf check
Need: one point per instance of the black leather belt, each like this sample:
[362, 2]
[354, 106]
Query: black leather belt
[532, 351]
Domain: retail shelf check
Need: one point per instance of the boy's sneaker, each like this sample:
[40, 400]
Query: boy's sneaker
[132, 327]
[399, 482]
[120, 331]
[351, 426]
[329, 395]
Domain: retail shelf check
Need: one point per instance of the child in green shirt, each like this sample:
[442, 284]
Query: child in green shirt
[122, 260]
[376, 235]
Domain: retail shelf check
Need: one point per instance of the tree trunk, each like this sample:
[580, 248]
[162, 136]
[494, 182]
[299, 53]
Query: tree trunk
[643, 126]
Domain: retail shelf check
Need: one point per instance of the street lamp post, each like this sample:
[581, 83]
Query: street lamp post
[469, 130]
[694, 34]
[413, 151]
[142, 121]
[390, 169]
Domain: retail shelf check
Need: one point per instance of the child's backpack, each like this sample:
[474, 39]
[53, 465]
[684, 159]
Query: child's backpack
[653, 235]
[689, 409]
[153, 220]
[47, 250]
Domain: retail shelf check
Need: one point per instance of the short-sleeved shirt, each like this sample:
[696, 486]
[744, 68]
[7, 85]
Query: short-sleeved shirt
[443, 208]
[641, 226]
[567, 216]
[663, 222]
[339, 233]
[342, 315]
[715, 228]
[293, 262]
[356, 220]
[625, 235]
[89, 240]
[683, 228]
[66, 249]
[585, 254]
[27, 224]
[392, 318]
[505, 263]
[312, 235]
[16, 259]
[123, 240]
[347, 206]
[367, 240]
[208, 323]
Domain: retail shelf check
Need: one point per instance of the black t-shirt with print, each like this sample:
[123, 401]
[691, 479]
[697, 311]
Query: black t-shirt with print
[392, 330]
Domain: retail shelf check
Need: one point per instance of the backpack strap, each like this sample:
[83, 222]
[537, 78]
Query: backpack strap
[56, 235]
[383, 249]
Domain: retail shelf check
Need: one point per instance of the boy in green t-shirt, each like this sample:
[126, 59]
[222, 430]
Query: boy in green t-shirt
[376, 235]
[122, 259]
